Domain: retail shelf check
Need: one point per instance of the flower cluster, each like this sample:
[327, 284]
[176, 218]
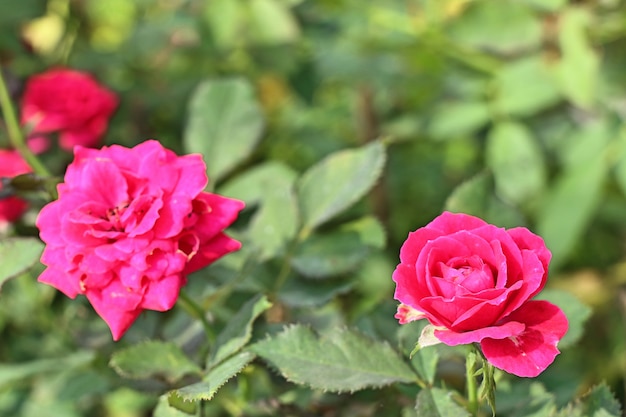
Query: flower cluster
[128, 227]
[474, 283]
[69, 102]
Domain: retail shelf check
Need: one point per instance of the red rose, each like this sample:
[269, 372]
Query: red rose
[473, 282]
[11, 165]
[69, 102]
[129, 226]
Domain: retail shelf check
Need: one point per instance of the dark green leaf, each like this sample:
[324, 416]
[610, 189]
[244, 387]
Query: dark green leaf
[600, 402]
[165, 408]
[152, 359]
[337, 182]
[224, 124]
[309, 293]
[238, 330]
[341, 360]
[218, 376]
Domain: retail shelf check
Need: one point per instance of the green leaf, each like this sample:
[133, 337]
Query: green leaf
[370, 229]
[11, 373]
[576, 312]
[456, 119]
[516, 161]
[153, 359]
[437, 402]
[238, 330]
[569, 206]
[309, 293]
[216, 378]
[272, 22]
[226, 19]
[525, 87]
[424, 361]
[329, 254]
[339, 361]
[577, 71]
[271, 186]
[600, 402]
[502, 26]
[224, 124]
[338, 181]
[17, 255]
[165, 409]
[475, 196]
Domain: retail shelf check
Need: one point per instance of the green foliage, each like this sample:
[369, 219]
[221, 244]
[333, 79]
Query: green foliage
[337, 182]
[437, 402]
[341, 360]
[153, 359]
[17, 255]
[224, 124]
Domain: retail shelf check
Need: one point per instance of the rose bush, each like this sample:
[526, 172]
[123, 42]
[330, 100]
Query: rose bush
[128, 227]
[11, 165]
[474, 282]
[69, 102]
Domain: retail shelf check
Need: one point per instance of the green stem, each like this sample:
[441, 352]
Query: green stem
[194, 310]
[15, 132]
[472, 387]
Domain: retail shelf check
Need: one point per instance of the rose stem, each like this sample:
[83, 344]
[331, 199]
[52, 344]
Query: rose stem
[15, 133]
[472, 388]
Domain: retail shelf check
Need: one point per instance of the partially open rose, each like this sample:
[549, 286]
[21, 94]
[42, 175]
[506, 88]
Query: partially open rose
[69, 102]
[474, 282]
[128, 227]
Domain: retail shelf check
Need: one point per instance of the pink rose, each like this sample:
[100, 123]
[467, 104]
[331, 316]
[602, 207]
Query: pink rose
[69, 102]
[11, 165]
[128, 227]
[473, 282]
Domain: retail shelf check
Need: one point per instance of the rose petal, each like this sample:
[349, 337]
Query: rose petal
[452, 338]
[530, 352]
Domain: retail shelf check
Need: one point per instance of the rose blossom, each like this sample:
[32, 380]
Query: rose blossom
[128, 227]
[69, 102]
[473, 282]
[11, 165]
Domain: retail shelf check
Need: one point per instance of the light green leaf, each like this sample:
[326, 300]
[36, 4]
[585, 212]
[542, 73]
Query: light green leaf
[238, 330]
[502, 26]
[17, 255]
[226, 19]
[370, 229]
[271, 22]
[452, 120]
[153, 359]
[525, 87]
[576, 312]
[569, 206]
[216, 378]
[437, 402]
[224, 124]
[516, 161]
[577, 71]
[11, 373]
[339, 361]
[424, 361]
[334, 184]
[250, 185]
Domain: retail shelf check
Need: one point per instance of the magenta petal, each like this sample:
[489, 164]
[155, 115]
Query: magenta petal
[60, 280]
[108, 306]
[532, 351]
[508, 329]
[448, 223]
[162, 294]
[210, 251]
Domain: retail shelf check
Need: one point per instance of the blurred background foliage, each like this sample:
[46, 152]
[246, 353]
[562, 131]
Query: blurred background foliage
[512, 110]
